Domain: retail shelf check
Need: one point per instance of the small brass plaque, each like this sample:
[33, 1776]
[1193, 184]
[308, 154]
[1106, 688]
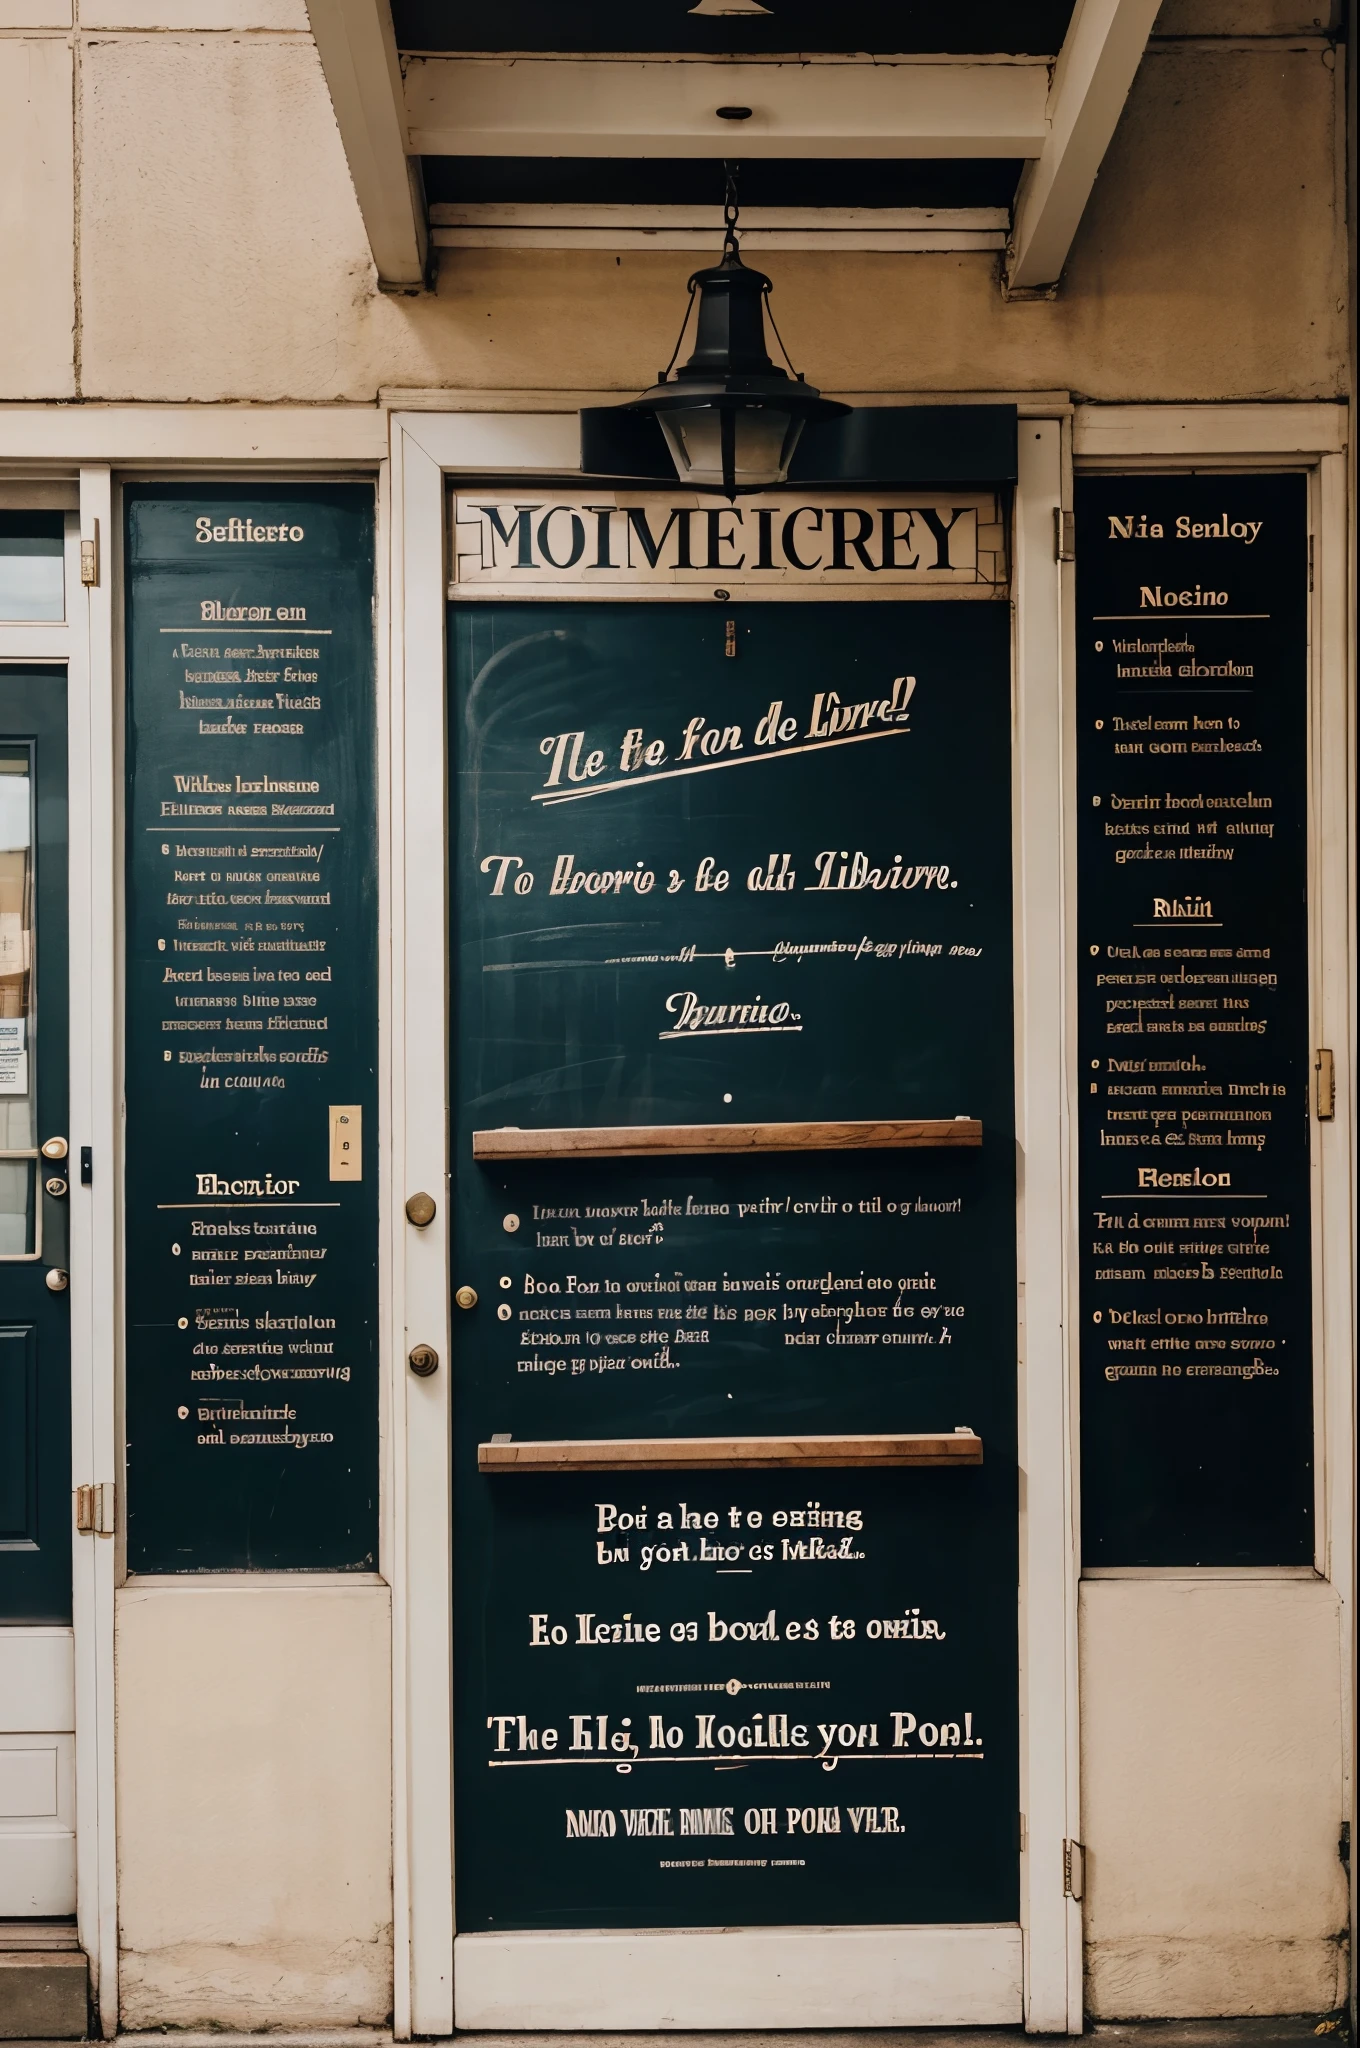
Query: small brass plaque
[347, 1141]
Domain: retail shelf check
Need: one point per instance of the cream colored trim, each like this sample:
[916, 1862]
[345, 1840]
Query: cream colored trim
[96, 1455]
[577, 106]
[177, 437]
[1049, 1730]
[421, 1497]
[1194, 433]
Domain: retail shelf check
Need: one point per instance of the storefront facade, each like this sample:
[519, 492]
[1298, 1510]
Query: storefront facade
[805, 1474]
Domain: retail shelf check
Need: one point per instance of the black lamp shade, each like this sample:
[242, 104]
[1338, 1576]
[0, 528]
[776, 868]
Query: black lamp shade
[732, 419]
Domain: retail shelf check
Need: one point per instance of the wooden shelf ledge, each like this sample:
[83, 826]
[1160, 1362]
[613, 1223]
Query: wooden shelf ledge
[725, 1453]
[651, 1141]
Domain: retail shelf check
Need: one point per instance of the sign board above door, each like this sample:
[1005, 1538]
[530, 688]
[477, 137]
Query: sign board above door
[675, 543]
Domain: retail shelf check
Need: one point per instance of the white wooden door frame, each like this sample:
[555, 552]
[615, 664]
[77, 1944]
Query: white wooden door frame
[828, 1977]
[74, 644]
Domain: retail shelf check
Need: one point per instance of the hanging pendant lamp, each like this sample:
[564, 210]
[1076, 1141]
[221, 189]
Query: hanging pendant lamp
[731, 418]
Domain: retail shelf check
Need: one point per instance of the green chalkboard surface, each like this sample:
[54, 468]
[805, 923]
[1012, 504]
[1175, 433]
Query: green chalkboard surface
[1196, 1237]
[694, 886]
[252, 1415]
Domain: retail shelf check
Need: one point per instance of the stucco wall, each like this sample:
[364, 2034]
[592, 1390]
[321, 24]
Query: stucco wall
[1212, 1798]
[254, 1805]
[221, 253]
[36, 204]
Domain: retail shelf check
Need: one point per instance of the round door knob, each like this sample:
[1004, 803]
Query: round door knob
[423, 1361]
[420, 1210]
[55, 1148]
[55, 1186]
[57, 1280]
[466, 1297]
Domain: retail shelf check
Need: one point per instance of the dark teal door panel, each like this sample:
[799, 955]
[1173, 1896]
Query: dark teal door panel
[696, 889]
[35, 1342]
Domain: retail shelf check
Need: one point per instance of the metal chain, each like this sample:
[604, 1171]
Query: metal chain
[731, 212]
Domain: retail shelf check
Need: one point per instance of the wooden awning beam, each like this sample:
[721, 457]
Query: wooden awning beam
[1091, 80]
[668, 107]
[358, 52]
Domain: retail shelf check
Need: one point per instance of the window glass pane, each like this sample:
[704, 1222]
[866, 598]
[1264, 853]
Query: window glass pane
[18, 1179]
[32, 565]
[17, 993]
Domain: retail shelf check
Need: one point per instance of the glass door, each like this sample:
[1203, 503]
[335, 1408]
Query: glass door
[35, 1517]
[37, 1849]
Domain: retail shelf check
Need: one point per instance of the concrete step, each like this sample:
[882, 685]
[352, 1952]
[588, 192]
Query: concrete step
[44, 1982]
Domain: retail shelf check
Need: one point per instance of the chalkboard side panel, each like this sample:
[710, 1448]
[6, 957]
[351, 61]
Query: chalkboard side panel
[251, 1028]
[1193, 1007]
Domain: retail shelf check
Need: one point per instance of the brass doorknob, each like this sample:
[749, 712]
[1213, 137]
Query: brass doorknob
[57, 1280]
[55, 1186]
[55, 1148]
[423, 1361]
[466, 1297]
[420, 1210]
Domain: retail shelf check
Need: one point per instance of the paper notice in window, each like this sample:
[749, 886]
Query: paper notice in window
[13, 943]
[13, 1056]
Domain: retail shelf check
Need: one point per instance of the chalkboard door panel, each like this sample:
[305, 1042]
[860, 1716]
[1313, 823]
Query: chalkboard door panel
[696, 887]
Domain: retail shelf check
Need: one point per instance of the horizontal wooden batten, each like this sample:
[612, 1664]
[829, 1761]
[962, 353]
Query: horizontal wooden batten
[732, 1453]
[887, 241]
[650, 1141]
[550, 225]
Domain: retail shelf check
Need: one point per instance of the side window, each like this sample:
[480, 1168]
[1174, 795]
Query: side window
[32, 566]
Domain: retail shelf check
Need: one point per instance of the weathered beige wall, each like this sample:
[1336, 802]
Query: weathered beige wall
[36, 258]
[1212, 1798]
[221, 254]
[254, 1805]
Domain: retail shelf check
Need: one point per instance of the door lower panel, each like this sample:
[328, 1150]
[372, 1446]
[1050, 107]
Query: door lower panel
[740, 1977]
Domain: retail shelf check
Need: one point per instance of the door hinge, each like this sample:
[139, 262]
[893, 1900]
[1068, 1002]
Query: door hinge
[89, 555]
[1074, 1870]
[96, 1508]
[1064, 535]
[1324, 1066]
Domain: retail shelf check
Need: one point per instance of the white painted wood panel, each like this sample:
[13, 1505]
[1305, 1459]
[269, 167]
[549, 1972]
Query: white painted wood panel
[37, 1826]
[497, 106]
[37, 1680]
[740, 1977]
